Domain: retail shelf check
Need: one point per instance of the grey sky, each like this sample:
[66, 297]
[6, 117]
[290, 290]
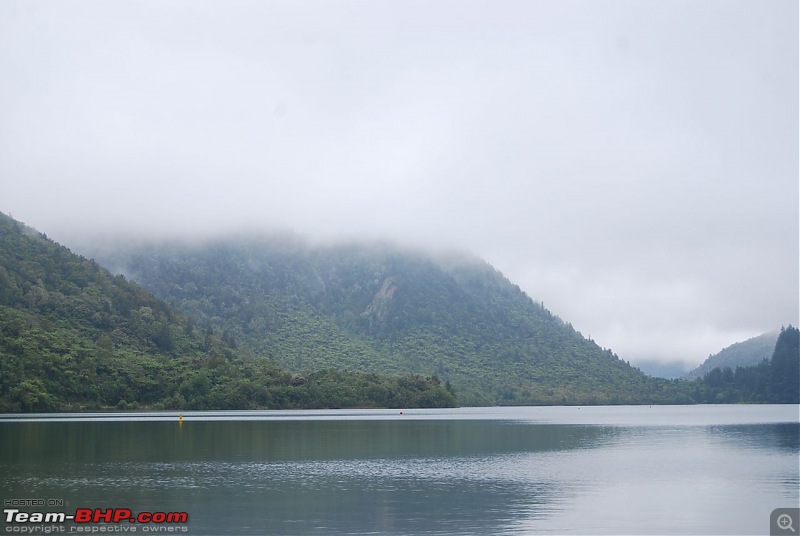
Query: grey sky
[634, 165]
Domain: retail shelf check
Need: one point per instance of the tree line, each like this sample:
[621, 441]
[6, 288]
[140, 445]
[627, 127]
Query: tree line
[775, 380]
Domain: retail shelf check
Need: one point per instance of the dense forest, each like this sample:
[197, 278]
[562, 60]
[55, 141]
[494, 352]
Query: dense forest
[275, 323]
[381, 308]
[73, 336]
[741, 354]
[775, 379]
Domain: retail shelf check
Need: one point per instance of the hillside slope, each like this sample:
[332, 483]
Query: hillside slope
[741, 354]
[774, 380]
[375, 307]
[72, 336]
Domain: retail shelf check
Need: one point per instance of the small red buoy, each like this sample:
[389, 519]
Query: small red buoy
[401, 413]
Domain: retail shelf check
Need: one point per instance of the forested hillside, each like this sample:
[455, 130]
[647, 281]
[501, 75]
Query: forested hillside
[741, 354]
[373, 307]
[275, 323]
[72, 336]
[773, 380]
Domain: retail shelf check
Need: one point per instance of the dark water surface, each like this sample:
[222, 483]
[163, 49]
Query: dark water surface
[559, 470]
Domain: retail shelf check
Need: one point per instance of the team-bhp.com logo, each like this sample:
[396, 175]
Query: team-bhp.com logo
[87, 519]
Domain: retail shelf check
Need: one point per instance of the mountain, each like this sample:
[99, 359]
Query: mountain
[382, 308]
[73, 336]
[773, 380]
[740, 354]
[659, 369]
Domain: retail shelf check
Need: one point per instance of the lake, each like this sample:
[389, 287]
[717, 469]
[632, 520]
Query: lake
[522, 470]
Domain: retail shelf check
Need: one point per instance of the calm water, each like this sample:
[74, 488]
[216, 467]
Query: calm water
[568, 470]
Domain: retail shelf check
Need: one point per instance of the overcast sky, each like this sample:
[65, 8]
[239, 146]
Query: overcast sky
[633, 164]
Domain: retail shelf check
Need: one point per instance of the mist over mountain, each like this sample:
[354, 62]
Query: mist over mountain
[663, 369]
[382, 308]
[741, 354]
[775, 379]
[277, 322]
[73, 336]
[332, 122]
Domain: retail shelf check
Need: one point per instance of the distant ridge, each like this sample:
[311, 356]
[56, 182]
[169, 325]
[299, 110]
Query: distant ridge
[666, 369]
[741, 354]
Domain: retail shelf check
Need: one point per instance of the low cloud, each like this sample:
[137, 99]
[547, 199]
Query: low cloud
[632, 165]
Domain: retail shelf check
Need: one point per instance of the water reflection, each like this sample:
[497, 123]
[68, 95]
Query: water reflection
[283, 440]
[519, 472]
[779, 436]
[285, 477]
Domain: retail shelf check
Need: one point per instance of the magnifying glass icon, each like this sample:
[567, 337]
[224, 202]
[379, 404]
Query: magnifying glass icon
[785, 522]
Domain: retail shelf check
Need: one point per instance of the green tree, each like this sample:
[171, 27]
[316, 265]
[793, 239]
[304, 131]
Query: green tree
[784, 377]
